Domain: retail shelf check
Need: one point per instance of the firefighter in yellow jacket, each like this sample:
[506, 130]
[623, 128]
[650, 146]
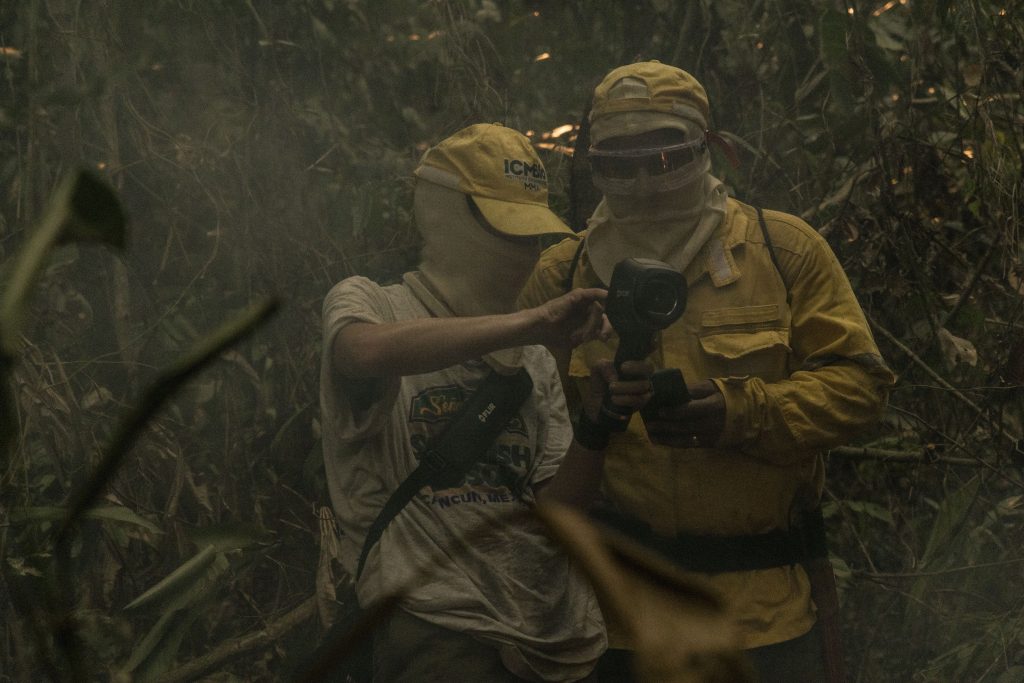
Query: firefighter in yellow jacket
[775, 349]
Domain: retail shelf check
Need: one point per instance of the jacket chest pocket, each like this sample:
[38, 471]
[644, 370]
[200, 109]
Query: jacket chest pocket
[746, 341]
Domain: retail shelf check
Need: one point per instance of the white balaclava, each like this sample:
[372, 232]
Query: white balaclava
[481, 205]
[668, 217]
[472, 269]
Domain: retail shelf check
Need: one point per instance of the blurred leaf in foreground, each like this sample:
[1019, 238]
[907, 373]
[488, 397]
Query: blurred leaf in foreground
[166, 384]
[678, 626]
[83, 209]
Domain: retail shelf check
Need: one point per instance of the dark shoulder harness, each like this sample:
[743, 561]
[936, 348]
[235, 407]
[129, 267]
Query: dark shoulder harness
[567, 282]
[771, 252]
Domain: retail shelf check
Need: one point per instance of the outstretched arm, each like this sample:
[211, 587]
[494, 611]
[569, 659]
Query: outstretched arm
[367, 350]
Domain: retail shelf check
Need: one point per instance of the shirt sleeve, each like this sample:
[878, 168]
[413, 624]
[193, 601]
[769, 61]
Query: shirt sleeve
[839, 384]
[547, 281]
[354, 408]
[554, 432]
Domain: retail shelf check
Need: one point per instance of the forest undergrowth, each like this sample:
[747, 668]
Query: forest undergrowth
[263, 151]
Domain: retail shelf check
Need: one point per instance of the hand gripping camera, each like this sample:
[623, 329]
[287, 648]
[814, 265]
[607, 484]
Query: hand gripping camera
[645, 296]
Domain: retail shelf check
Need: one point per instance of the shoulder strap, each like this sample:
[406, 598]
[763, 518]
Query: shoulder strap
[771, 251]
[567, 282]
[451, 454]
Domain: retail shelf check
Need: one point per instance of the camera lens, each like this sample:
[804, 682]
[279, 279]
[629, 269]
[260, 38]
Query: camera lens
[657, 298]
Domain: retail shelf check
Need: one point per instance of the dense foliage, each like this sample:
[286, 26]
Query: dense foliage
[263, 148]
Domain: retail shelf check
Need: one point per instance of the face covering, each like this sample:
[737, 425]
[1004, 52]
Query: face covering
[647, 172]
[667, 210]
[657, 231]
[470, 268]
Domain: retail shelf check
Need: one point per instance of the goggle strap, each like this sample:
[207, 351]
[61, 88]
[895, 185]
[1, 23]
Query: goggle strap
[647, 152]
[727, 147]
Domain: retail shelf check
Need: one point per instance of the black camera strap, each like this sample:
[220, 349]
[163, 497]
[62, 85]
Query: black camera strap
[462, 444]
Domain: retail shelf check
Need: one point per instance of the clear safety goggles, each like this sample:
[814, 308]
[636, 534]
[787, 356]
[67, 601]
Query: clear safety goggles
[627, 163]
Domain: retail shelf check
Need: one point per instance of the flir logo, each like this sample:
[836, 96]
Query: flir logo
[532, 176]
[486, 412]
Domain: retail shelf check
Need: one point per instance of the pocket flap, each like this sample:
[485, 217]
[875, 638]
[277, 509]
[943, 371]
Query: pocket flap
[739, 344]
[740, 316]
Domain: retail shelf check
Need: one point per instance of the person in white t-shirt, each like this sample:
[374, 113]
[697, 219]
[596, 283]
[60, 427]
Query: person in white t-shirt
[488, 595]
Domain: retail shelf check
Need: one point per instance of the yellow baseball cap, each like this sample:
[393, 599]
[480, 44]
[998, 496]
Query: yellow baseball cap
[646, 96]
[499, 169]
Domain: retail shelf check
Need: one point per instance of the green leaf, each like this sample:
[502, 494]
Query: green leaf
[1011, 675]
[8, 414]
[156, 653]
[169, 381]
[871, 510]
[163, 639]
[179, 583]
[230, 536]
[21, 568]
[842, 193]
[95, 214]
[948, 523]
[882, 68]
[834, 55]
[949, 519]
[83, 208]
[890, 32]
[840, 568]
[112, 513]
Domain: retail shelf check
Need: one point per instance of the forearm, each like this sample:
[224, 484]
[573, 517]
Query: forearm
[812, 410]
[578, 480]
[411, 347]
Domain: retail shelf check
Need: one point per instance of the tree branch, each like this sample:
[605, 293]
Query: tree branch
[922, 456]
[1013, 438]
[233, 648]
[938, 572]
